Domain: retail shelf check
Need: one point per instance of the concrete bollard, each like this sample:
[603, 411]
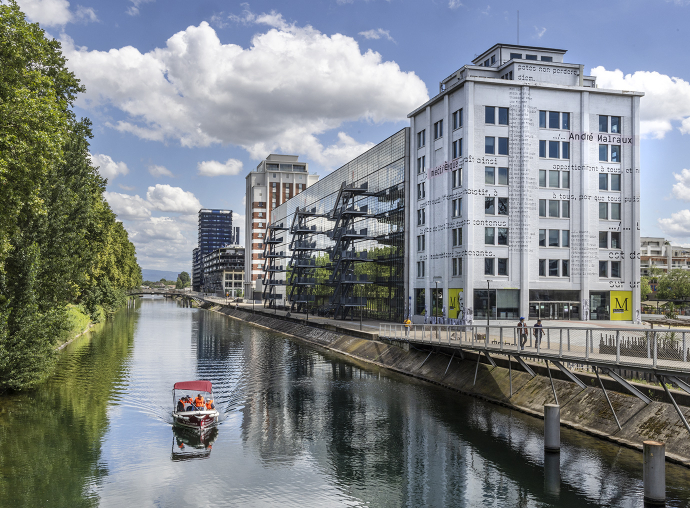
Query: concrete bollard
[654, 472]
[552, 427]
[552, 474]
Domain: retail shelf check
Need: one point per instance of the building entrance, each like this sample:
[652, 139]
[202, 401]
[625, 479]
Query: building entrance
[554, 310]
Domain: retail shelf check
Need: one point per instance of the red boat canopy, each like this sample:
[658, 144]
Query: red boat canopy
[194, 386]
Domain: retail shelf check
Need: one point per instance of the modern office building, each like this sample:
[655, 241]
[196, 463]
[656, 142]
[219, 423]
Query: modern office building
[215, 230]
[525, 193]
[274, 181]
[338, 248]
[659, 253]
[224, 271]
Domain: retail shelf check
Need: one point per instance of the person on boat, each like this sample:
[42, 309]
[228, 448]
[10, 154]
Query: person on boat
[199, 402]
[210, 405]
[181, 404]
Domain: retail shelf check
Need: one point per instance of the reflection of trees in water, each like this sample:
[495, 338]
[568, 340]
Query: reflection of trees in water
[50, 438]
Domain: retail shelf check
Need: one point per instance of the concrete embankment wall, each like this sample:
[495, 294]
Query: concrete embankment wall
[583, 409]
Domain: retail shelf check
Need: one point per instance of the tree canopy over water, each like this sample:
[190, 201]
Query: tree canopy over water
[60, 242]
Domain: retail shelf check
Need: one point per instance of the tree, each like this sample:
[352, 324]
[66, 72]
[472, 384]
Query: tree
[183, 280]
[674, 285]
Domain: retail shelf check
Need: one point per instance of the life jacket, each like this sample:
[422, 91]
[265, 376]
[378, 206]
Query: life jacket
[199, 402]
[210, 405]
[180, 405]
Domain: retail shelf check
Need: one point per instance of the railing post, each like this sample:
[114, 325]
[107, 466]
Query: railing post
[618, 346]
[560, 344]
[646, 339]
[587, 344]
[486, 339]
[655, 347]
[568, 339]
[538, 341]
[500, 340]
[548, 338]
[685, 350]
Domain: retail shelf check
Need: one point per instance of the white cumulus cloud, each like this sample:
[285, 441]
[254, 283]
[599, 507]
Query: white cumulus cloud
[678, 225]
[377, 33]
[165, 198]
[133, 10]
[55, 12]
[681, 189]
[128, 207]
[107, 167]
[163, 242]
[666, 100]
[156, 170]
[199, 91]
[454, 4]
[215, 168]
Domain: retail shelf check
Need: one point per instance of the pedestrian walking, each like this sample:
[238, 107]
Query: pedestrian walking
[407, 327]
[538, 331]
[522, 331]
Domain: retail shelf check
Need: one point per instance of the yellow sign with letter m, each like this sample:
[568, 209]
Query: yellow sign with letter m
[621, 305]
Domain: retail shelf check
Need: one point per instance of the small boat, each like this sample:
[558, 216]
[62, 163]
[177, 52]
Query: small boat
[187, 414]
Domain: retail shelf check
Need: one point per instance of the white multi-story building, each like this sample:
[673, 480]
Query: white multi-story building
[524, 193]
[274, 181]
[659, 253]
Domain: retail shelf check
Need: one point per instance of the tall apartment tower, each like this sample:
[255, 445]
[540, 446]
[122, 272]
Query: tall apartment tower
[215, 231]
[524, 193]
[274, 181]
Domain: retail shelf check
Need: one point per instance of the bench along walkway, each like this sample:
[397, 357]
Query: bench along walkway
[663, 353]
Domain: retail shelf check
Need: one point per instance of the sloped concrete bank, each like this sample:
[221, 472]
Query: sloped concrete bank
[583, 409]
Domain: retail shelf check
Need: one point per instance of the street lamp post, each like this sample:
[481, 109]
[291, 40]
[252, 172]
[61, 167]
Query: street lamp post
[361, 291]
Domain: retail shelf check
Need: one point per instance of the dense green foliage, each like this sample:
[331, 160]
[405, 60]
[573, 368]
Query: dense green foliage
[60, 242]
[183, 281]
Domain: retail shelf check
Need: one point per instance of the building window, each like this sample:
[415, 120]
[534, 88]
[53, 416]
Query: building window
[615, 211]
[490, 145]
[542, 238]
[565, 121]
[553, 178]
[457, 148]
[493, 59]
[438, 129]
[517, 56]
[603, 240]
[502, 146]
[502, 266]
[457, 119]
[421, 216]
[457, 178]
[565, 268]
[502, 206]
[420, 268]
[490, 206]
[547, 59]
[489, 266]
[456, 207]
[554, 120]
[615, 240]
[603, 181]
[565, 209]
[565, 179]
[457, 237]
[615, 269]
[421, 164]
[603, 269]
[502, 236]
[489, 236]
[565, 150]
[502, 116]
[542, 208]
[502, 176]
[457, 267]
[603, 123]
[615, 153]
[553, 238]
[615, 182]
[421, 243]
[530, 57]
[542, 268]
[553, 267]
[565, 238]
[489, 114]
[421, 138]
[553, 208]
[542, 119]
[603, 153]
[542, 175]
[616, 124]
[489, 175]
[542, 148]
[553, 150]
[604, 211]
[421, 193]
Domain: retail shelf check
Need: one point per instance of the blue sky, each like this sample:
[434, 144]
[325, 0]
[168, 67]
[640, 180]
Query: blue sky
[187, 97]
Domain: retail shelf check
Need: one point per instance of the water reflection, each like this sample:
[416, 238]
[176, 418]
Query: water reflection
[301, 428]
[189, 445]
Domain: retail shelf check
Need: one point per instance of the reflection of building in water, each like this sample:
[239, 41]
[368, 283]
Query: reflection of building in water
[526, 175]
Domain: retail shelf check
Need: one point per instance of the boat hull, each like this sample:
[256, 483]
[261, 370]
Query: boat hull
[196, 420]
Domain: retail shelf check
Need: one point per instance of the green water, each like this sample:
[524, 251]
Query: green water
[299, 428]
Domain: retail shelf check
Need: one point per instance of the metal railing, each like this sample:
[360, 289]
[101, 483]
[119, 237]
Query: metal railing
[623, 348]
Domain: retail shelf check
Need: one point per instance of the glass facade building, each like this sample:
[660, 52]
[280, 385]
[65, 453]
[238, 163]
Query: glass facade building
[215, 230]
[338, 247]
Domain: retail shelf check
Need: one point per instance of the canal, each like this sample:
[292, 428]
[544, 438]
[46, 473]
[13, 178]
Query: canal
[299, 428]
